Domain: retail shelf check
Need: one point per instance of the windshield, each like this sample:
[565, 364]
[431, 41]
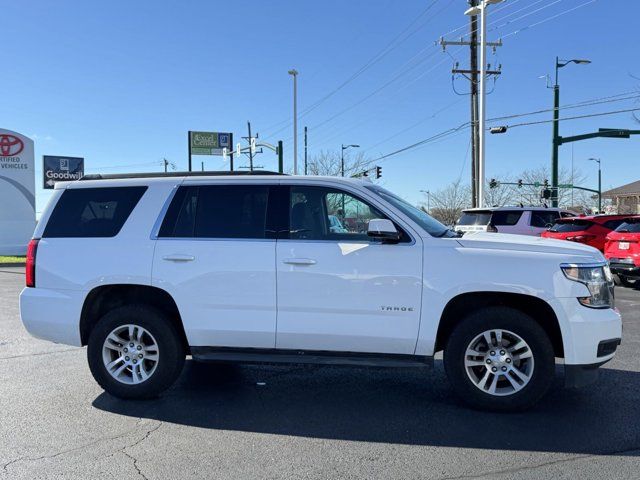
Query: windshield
[432, 226]
[631, 225]
[476, 217]
[571, 226]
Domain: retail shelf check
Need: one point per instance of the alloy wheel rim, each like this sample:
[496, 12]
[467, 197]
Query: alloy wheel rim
[130, 354]
[499, 362]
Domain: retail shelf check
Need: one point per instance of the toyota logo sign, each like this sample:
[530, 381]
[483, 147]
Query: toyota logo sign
[10, 145]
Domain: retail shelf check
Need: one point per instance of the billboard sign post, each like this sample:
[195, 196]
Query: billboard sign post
[17, 192]
[60, 169]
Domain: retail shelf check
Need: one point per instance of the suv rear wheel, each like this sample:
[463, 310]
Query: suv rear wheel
[135, 352]
[499, 359]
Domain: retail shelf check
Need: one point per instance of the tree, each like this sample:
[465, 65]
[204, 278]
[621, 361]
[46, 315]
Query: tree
[447, 204]
[329, 163]
[567, 197]
[501, 195]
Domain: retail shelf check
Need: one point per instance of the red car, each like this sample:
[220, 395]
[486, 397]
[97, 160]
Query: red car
[623, 251]
[591, 230]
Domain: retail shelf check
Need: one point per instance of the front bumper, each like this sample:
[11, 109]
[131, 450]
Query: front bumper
[584, 330]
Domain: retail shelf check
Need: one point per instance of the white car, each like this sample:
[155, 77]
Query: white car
[246, 268]
[517, 220]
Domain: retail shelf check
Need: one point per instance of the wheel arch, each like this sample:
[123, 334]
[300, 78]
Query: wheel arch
[104, 298]
[460, 306]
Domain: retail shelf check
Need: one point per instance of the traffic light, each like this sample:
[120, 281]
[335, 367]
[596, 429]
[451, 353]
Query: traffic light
[546, 194]
[519, 183]
[365, 173]
[378, 172]
[493, 183]
[546, 183]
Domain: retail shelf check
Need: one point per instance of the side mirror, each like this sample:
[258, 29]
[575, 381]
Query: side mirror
[383, 229]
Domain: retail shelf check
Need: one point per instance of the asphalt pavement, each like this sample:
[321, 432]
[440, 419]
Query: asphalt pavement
[302, 422]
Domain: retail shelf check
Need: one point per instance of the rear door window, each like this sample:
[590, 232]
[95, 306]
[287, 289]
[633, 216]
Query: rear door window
[92, 212]
[506, 217]
[478, 217]
[542, 219]
[217, 211]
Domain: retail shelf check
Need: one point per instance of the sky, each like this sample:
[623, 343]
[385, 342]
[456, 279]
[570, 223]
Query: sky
[121, 83]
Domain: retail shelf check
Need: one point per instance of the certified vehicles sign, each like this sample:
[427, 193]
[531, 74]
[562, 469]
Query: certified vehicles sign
[61, 169]
[17, 192]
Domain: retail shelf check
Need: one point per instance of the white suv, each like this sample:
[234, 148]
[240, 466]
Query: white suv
[516, 220]
[248, 269]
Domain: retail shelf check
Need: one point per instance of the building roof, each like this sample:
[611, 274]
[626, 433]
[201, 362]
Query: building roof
[632, 188]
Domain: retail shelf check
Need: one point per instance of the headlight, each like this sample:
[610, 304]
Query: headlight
[597, 278]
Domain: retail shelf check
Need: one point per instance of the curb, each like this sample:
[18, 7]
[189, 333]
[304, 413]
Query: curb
[5, 265]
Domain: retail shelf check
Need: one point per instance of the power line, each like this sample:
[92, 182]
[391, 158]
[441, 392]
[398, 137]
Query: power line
[565, 107]
[576, 117]
[372, 61]
[451, 131]
[515, 32]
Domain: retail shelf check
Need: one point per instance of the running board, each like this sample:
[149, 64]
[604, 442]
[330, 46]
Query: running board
[259, 355]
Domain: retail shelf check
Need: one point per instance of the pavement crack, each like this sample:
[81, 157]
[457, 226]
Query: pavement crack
[513, 470]
[123, 450]
[41, 353]
[6, 466]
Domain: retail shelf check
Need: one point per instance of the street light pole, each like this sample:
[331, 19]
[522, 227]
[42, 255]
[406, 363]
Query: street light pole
[428, 200]
[294, 73]
[344, 147]
[556, 128]
[599, 184]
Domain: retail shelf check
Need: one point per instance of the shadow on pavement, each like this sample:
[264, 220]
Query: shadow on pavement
[393, 406]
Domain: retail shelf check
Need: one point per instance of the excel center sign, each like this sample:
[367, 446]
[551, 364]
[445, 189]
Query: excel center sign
[209, 143]
[17, 192]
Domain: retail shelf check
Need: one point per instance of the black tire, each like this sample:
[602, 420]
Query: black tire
[527, 329]
[628, 281]
[171, 351]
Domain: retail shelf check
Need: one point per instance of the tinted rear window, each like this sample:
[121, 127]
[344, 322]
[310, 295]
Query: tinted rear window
[217, 211]
[475, 218]
[92, 212]
[631, 226]
[542, 219]
[613, 224]
[572, 226]
[506, 217]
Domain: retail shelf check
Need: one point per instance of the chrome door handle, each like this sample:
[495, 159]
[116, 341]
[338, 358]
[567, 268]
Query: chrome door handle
[178, 257]
[299, 261]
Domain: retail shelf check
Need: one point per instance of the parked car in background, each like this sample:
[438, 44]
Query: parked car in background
[517, 220]
[622, 250]
[591, 230]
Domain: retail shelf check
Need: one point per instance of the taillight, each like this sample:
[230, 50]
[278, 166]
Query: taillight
[581, 238]
[30, 273]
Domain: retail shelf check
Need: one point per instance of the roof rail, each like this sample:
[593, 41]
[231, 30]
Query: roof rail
[215, 173]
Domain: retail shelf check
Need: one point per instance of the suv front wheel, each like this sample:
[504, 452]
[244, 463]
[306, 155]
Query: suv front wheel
[499, 358]
[135, 352]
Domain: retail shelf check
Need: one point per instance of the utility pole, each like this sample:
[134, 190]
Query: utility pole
[250, 149]
[305, 150]
[473, 65]
[294, 73]
[472, 74]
